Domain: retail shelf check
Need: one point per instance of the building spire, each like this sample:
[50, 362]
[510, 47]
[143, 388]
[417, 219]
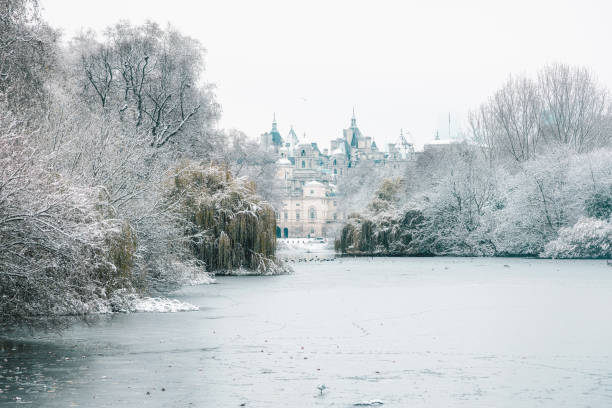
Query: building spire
[293, 139]
[274, 129]
[353, 119]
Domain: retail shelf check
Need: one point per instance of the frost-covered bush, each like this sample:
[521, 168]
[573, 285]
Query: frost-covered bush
[599, 204]
[588, 238]
[59, 256]
[477, 207]
[548, 193]
[227, 225]
[458, 204]
[63, 249]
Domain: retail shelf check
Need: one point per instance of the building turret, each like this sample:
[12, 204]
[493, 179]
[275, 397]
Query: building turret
[292, 137]
[277, 140]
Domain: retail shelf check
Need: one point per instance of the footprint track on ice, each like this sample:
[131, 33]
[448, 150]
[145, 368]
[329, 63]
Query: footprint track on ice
[364, 331]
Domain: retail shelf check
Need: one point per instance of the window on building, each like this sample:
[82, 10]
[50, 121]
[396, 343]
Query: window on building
[311, 191]
[334, 162]
[297, 204]
[312, 230]
[312, 213]
[335, 171]
[303, 153]
[335, 216]
[286, 215]
[303, 164]
[335, 203]
[297, 215]
[278, 216]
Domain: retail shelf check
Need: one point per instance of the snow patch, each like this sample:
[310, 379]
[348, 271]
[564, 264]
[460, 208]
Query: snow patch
[370, 403]
[122, 302]
[199, 279]
[280, 269]
[162, 305]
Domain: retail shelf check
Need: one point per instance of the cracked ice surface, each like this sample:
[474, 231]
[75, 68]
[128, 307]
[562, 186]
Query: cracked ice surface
[418, 332]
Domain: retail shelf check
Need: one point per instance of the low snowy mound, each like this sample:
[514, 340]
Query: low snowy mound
[200, 279]
[588, 238]
[132, 303]
[162, 305]
[370, 403]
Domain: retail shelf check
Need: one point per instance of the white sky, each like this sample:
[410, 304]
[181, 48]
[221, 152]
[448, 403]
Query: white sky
[402, 64]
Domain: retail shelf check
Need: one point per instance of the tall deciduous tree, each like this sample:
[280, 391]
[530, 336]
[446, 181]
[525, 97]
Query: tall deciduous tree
[565, 106]
[576, 109]
[27, 53]
[150, 77]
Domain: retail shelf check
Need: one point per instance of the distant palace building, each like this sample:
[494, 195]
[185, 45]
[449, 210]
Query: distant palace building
[310, 206]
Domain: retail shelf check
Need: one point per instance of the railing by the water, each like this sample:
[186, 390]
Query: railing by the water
[296, 250]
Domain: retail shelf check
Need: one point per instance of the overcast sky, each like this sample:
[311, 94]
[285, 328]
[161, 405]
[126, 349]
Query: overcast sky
[401, 64]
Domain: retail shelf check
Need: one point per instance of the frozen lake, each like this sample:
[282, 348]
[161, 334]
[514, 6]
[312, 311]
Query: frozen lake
[410, 332]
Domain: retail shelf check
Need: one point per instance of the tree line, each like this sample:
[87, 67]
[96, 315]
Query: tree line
[533, 177]
[94, 135]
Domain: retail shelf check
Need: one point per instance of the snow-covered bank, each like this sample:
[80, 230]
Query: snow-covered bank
[279, 267]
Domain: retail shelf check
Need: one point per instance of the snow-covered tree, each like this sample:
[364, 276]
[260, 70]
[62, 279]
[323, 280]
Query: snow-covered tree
[564, 106]
[227, 226]
[28, 53]
[151, 77]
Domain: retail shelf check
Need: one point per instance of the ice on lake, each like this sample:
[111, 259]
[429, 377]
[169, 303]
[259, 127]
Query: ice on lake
[418, 332]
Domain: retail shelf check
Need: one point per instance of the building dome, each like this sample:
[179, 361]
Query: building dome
[283, 162]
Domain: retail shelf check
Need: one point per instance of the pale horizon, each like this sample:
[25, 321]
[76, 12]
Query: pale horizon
[402, 66]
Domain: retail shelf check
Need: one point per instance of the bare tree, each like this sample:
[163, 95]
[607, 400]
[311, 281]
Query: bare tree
[246, 158]
[509, 124]
[150, 76]
[576, 108]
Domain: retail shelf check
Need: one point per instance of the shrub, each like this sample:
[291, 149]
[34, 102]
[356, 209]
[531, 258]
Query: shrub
[599, 204]
[588, 238]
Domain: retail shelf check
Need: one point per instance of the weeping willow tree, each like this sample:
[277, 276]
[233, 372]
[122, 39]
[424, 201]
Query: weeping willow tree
[384, 229]
[387, 235]
[226, 224]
